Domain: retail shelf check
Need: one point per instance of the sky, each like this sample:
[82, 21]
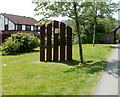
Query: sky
[25, 8]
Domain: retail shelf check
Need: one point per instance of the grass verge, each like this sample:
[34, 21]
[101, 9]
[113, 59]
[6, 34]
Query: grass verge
[24, 75]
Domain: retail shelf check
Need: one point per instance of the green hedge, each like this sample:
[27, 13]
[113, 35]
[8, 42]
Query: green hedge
[20, 43]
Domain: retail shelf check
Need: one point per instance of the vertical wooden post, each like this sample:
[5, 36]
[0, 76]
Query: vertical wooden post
[49, 43]
[55, 53]
[62, 42]
[42, 43]
[69, 43]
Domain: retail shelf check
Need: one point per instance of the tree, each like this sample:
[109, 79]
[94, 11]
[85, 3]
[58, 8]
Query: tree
[92, 10]
[88, 18]
[70, 9]
[78, 31]
[99, 9]
[103, 25]
[78, 11]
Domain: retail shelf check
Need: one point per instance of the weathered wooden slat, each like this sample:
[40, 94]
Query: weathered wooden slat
[55, 49]
[42, 43]
[56, 24]
[62, 42]
[69, 43]
[49, 43]
[63, 31]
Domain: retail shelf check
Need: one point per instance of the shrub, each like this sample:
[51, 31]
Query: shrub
[103, 25]
[20, 43]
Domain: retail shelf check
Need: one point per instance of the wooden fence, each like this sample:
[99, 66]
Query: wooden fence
[55, 42]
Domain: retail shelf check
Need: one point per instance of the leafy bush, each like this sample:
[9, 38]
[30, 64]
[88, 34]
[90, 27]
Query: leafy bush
[103, 25]
[20, 43]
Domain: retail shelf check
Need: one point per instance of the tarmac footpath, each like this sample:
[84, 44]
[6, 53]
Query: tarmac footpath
[108, 84]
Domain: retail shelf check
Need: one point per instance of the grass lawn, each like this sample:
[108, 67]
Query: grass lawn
[24, 75]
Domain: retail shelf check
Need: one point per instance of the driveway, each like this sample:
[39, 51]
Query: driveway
[108, 84]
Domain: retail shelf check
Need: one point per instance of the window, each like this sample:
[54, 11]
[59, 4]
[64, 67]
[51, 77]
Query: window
[19, 27]
[28, 28]
[35, 28]
[6, 27]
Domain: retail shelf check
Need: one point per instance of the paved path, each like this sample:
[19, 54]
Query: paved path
[108, 84]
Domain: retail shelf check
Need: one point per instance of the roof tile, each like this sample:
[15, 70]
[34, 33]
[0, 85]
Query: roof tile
[20, 19]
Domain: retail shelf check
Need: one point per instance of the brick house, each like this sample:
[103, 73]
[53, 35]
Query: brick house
[10, 24]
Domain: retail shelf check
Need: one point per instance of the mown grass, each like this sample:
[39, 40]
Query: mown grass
[25, 75]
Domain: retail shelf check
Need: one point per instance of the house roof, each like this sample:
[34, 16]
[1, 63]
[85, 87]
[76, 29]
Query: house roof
[20, 19]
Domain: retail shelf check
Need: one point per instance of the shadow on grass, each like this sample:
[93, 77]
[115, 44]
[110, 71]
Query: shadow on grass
[71, 62]
[88, 67]
[112, 68]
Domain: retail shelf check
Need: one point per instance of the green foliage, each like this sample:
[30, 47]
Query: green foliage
[99, 38]
[10, 47]
[118, 36]
[44, 22]
[86, 13]
[20, 43]
[103, 25]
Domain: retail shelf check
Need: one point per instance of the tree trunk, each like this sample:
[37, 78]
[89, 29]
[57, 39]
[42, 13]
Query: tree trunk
[78, 32]
[94, 35]
[94, 29]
